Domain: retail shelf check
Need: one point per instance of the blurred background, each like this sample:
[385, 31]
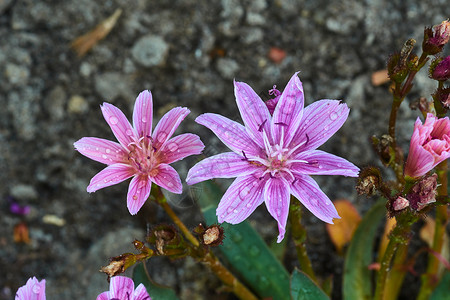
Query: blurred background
[187, 52]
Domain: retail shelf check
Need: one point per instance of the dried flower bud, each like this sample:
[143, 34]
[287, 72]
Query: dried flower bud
[400, 203]
[443, 96]
[423, 192]
[369, 181]
[435, 38]
[213, 236]
[21, 233]
[119, 264]
[422, 104]
[440, 69]
[397, 69]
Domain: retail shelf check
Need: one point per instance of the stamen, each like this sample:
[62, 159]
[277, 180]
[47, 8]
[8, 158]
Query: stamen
[281, 124]
[260, 128]
[245, 156]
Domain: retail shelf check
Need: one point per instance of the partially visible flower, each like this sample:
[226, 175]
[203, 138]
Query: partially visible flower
[430, 145]
[273, 156]
[440, 69]
[423, 192]
[32, 290]
[122, 288]
[443, 96]
[140, 154]
[435, 38]
[17, 208]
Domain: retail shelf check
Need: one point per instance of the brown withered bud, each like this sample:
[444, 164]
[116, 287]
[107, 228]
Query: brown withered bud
[421, 104]
[213, 236]
[443, 96]
[119, 264]
[21, 233]
[397, 69]
[423, 192]
[435, 38]
[369, 181]
[168, 241]
[383, 147]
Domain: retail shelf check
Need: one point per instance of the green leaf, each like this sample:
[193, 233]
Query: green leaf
[442, 291]
[244, 250]
[357, 276]
[303, 288]
[156, 291]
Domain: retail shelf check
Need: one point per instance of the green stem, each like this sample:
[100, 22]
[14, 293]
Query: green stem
[399, 237]
[397, 275]
[429, 279]
[299, 237]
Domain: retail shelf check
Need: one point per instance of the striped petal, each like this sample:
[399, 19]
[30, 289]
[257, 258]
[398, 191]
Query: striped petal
[121, 287]
[322, 163]
[119, 124]
[112, 174]
[138, 193]
[182, 146]
[168, 178]
[101, 150]
[277, 194]
[143, 114]
[168, 124]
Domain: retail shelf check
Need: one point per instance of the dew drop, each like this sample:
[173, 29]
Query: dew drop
[129, 132]
[104, 156]
[229, 210]
[172, 147]
[326, 128]
[254, 251]
[339, 165]
[113, 120]
[169, 184]
[255, 183]
[248, 205]
[244, 192]
[227, 134]
[161, 137]
[235, 211]
[107, 150]
[333, 116]
[263, 281]
[144, 120]
[320, 167]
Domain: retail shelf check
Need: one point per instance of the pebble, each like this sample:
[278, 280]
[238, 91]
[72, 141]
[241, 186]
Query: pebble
[77, 105]
[55, 101]
[110, 85]
[150, 50]
[16, 74]
[252, 35]
[24, 192]
[227, 67]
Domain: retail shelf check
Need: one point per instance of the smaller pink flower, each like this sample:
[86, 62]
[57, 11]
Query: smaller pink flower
[122, 288]
[32, 290]
[430, 145]
[140, 153]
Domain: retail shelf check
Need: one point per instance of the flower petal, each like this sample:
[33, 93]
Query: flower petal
[182, 146]
[224, 165]
[138, 193]
[119, 124]
[231, 133]
[305, 189]
[140, 293]
[101, 150]
[323, 163]
[103, 296]
[243, 196]
[320, 121]
[32, 290]
[168, 178]
[143, 114]
[112, 174]
[121, 287]
[254, 112]
[168, 124]
[289, 110]
[277, 194]
[419, 161]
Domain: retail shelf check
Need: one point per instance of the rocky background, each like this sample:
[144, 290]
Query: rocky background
[187, 53]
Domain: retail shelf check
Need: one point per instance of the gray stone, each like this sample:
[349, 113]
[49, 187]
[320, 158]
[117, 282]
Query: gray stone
[24, 192]
[150, 50]
[17, 75]
[77, 105]
[252, 35]
[227, 67]
[55, 102]
[113, 84]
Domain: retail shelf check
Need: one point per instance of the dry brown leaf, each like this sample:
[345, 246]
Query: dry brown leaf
[390, 223]
[380, 77]
[341, 232]
[84, 43]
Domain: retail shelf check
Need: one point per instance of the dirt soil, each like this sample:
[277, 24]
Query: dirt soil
[187, 53]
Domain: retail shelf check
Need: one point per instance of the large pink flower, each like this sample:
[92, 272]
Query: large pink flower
[273, 156]
[122, 288]
[140, 154]
[32, 290]
[430, 145]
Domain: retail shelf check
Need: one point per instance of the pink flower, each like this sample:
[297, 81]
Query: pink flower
[140, 154]
[32, 290]
[122, 288]
[273, 156]
[430, 145]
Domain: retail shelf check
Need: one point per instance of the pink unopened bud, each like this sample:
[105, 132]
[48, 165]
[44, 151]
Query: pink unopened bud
[440, 69]
[430, 145]
[436, 38]
[400, 203]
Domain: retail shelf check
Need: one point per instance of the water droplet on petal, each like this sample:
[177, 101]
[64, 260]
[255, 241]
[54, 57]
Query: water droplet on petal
[129, 132]
[169, 184]
[172, 147]
[144, 119]
[113, 120]
[161, 137]
[333, 116]
[320, 167]
[107, 150]
[244, 192]
[249, 205]
[326, 128]
[36, 288]
[229, 210]
[104, 156]
[235, 211]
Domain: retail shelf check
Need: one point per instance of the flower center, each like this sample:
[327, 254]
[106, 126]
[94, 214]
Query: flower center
[144, 157]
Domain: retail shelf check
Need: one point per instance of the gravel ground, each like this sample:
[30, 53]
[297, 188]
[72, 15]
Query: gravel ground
[187, 53]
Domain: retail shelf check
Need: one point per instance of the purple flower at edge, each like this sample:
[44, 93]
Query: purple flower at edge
[140, 154]
[122, 288]
[32, 290]
[273, 156]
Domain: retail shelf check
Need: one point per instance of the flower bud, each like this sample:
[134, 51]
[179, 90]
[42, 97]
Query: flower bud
[397, 69]
[369, 181]
[443, 96]
[435, 38]
[440, 69]
[119, 264]
[272, 103]
[400, 203]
